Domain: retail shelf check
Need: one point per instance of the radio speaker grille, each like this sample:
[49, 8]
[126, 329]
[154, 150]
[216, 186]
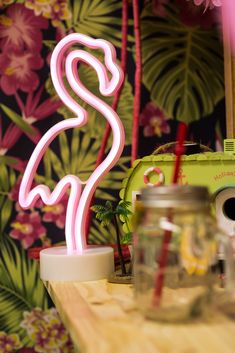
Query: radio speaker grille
[229, 146]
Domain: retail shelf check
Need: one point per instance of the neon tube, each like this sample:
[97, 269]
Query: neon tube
[79, 199]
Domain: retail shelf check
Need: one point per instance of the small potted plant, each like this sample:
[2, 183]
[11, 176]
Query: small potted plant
[107, 214]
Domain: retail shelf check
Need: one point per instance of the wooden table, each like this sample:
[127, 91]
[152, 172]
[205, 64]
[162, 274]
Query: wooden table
[101, 317]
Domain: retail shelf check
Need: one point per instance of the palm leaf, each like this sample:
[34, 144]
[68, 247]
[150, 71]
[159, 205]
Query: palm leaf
[47, 166]
[105, 217]
[20, 286]
[9, 161]
[6, 210]
[108, 205]
[17, 119]
[81, 155]
[123, 211]
[56, 163]
[93, 17]
[182, 66]
[96, 123]
[7, 180]
[125, 204]
[126, 238]
[101, 235]
[98, 208]
[64, 150]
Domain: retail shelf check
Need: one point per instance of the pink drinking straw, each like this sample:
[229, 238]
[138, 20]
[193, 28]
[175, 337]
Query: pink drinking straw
[179, 150]
[138, 76]
[115, 103]
[79, 200]
[228, 9]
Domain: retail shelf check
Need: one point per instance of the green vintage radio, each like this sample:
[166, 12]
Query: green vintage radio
[216, 170]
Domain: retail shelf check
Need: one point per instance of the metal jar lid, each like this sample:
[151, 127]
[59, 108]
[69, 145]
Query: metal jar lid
[175, 196]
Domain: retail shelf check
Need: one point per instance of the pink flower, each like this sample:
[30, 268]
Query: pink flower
[208, 3]
[14, 195]
[52, 336]
[56, 10]
[33, 319]
[46, 331]
[192, 15]
[68, 347]
[38, 6]
[9, 343]
[33, 110]
[16, 68]
[56, 213]
[9, 138]
[21, 29]
[27, 227]
[59, 11]
[60, 33]
[27, 350]
[7, 141]
[154, 121]
[34, 252]
[159, 7]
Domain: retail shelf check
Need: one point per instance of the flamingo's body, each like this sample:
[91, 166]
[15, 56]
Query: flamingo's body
[79, 200]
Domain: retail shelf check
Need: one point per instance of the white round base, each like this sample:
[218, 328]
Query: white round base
[94, 263]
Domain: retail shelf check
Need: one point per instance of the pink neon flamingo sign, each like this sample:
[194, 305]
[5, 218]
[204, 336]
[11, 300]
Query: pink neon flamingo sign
[80, 192]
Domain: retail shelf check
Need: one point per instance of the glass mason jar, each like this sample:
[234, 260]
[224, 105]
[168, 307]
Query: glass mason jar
[177, 250]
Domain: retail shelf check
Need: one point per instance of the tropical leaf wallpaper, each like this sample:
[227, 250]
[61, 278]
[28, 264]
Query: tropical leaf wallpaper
[182, 80]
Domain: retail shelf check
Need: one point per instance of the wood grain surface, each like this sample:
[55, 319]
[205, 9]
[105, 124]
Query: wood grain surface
[101, 317]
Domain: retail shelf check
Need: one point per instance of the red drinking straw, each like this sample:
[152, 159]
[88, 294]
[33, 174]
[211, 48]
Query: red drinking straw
[138, 75]
[107, 131]
[179, 150]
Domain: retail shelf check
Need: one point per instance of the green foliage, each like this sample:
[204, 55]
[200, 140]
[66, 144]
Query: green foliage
[17, 119]
[7, 180]
[96, 122]
[8, 161]
[93, 17]
[127, 238]
[78, 156]
[101, 235]
[20, 287]
[182, 66]
[106, 213]
[122, 209]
